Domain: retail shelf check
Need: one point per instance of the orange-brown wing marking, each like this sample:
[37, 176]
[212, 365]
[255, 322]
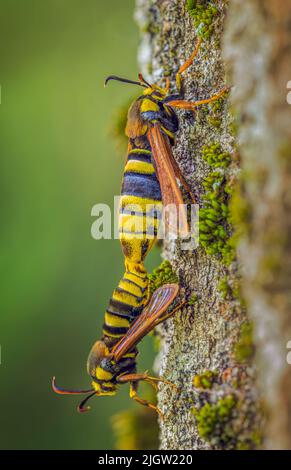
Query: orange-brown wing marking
[149, 318]
[171, 193]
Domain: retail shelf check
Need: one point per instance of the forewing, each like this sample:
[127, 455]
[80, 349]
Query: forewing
[171, 193]
[160, 301]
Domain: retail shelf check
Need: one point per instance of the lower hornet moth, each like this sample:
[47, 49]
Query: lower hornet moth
[149, 179]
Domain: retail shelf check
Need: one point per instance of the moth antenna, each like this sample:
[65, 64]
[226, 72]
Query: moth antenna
[140, 77]
[123, 80]
[81, 408]
[63, 391]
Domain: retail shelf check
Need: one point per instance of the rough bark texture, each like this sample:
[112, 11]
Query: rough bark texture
[220, 408]
[258, 50]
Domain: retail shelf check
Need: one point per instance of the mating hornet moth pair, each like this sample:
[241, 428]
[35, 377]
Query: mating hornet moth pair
[149, 180]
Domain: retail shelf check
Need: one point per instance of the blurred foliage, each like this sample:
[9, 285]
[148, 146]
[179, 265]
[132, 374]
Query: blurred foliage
[57, 162]
[136, 428]
[118, 123]
[245, 348]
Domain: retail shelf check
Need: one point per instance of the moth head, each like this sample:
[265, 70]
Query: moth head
[98, 352]
[150, 89]
[137, 125]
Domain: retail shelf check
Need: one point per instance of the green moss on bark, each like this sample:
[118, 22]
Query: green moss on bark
[163, 274]
[244, 349]
[214, 217]
[215, 112]
[214, 421]
[205, 380]
[193, 299]
[218, 424]
[203, 13]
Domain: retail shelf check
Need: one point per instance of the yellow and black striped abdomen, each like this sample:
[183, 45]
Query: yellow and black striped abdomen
[140, 206]
[140, 212]
[126, 303]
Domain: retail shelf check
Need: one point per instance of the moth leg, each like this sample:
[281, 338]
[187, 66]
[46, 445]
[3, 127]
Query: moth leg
[135, 378]
[186, 65]
[133, 394]
[191, 105]
[167, 87]
[153, 381]
[169, 314]
[145, 377]
[167, 80]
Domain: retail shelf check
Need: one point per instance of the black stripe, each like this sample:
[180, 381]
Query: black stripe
[152, 231]
[114, 330]
[126, 364]
[154, 213]
[141, 186]
[122, 308]
[144, 278]
[129, 281]
[101, 381]
[104, 388]
[127, 316]
[123, 291]
[141, 157]
[128, 370]
[98, 381]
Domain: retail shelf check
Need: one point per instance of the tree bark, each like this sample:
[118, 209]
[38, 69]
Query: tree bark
[207, 348]
[258, 50]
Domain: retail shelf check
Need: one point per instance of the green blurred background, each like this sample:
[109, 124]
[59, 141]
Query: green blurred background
[58, 160]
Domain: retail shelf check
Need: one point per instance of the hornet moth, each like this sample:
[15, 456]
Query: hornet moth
[149, 180]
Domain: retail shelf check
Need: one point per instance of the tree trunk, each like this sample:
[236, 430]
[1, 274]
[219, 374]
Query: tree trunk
[258, 49]
[207, 348]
